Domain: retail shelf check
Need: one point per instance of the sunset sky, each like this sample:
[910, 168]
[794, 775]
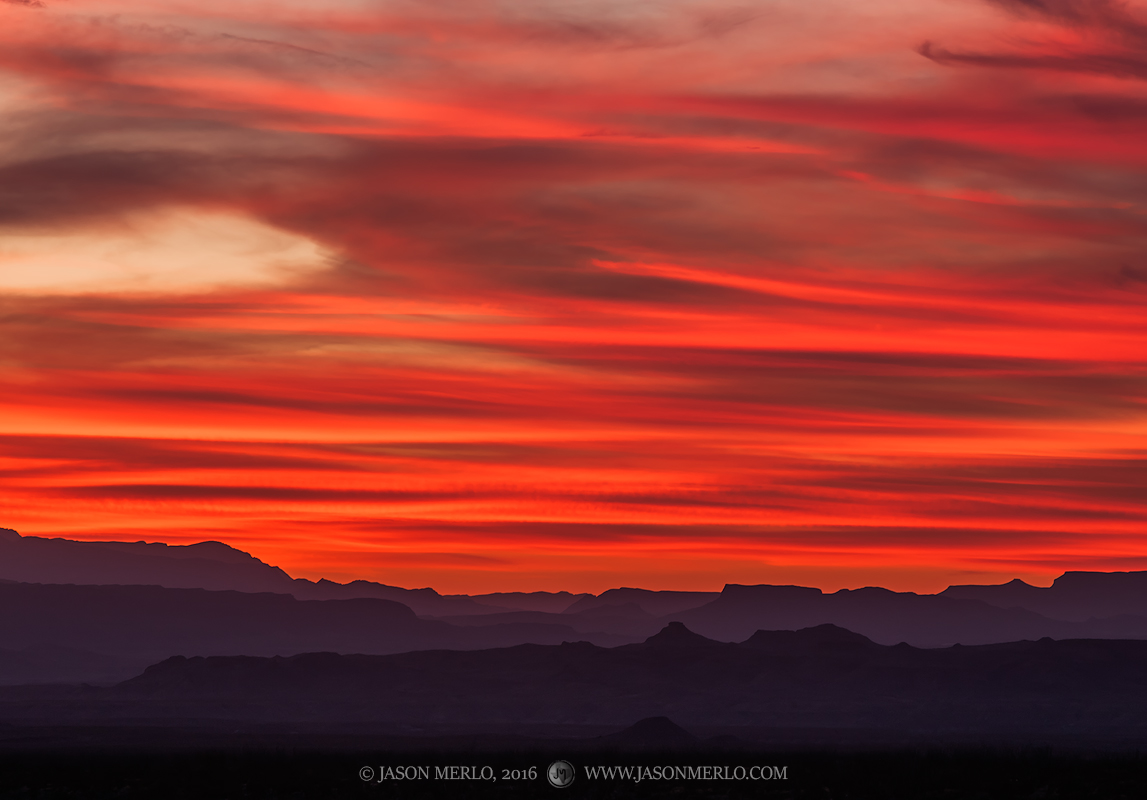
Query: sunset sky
[571, 295]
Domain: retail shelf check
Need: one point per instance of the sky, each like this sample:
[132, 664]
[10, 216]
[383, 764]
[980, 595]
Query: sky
[538, 295]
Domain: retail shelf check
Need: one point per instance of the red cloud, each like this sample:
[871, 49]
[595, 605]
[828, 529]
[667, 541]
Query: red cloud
[683, 294]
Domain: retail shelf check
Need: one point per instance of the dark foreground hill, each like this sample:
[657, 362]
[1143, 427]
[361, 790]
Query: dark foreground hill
[821, 678]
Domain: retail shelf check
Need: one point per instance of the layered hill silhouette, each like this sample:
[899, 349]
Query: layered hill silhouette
[892, 617]
[60, 664]
[654, 604]
[121, 629]
[822, 677]
[1076, 596]
[100, 611]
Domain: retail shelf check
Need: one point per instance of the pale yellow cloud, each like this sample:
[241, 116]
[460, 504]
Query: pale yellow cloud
[174, 251]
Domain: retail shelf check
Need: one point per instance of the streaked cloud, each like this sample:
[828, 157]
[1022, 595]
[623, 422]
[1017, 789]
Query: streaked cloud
[533, 296]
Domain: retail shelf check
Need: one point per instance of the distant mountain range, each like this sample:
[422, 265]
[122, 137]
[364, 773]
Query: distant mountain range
[156, 621]
[218, 567]
[1075, 596]
[101, 611]
[822, 677]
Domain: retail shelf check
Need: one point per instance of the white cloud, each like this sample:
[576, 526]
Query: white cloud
[176, 251]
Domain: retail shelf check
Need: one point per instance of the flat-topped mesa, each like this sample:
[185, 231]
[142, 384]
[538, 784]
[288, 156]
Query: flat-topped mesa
[755, 593]
[1129, 582]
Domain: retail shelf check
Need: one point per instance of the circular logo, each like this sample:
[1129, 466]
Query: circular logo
[560, 774]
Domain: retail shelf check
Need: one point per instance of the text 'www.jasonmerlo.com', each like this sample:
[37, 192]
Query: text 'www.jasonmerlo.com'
[638, 773]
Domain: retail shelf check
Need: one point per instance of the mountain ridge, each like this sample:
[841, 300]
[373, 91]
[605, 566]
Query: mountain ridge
[234, 588]
[1017, 691]
[211, 565]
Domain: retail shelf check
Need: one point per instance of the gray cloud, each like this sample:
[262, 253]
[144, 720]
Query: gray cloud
[1116, 65]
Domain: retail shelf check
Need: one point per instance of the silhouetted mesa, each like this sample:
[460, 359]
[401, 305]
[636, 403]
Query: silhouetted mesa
[892, 617]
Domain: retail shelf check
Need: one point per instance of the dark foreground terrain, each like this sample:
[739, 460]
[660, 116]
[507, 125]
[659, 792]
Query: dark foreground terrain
[818, 713]
[1087, 692]
[133, 670]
